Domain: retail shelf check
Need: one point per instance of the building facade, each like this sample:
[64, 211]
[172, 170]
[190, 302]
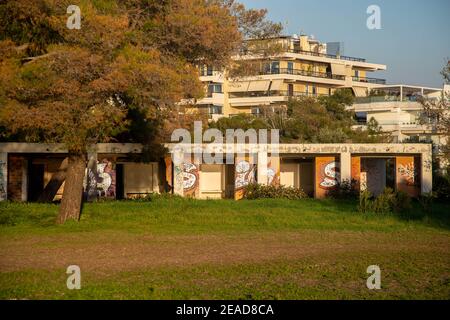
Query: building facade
[397, 110]
[301, 67]
[115, 171]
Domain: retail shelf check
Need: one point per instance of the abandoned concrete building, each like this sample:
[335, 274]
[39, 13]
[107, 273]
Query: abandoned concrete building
[116, 171]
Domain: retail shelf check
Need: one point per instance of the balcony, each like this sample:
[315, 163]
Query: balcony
[305, 73]
[249, 99]
[369, 80]
[330, 56]
[277, 93]
[308, 53]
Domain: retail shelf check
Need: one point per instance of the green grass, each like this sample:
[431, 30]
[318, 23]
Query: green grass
[265, 249]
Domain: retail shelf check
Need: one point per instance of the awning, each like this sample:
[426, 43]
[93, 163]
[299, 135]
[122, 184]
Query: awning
[241, 86]
[276, 85]
[338, 69]
[360, 92]
[259, 85]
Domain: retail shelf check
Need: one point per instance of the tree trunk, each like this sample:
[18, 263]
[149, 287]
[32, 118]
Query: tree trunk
[73, 189]
[55, 183]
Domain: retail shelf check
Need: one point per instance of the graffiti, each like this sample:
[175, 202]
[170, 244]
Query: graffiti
[273, 172]
[101, 183]
[245, 174]
[270, 175]
[190, 176]
[2, 181]
[331, 176]
[407, 172]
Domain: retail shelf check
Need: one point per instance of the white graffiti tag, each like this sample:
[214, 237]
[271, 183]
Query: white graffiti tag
[244, 174]
[105, 180]
[189, 176]
[332, 175]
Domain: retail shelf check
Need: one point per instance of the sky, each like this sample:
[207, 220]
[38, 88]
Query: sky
[414, 39]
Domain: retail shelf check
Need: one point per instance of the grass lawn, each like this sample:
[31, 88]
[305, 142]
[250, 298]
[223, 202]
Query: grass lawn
[171, 248]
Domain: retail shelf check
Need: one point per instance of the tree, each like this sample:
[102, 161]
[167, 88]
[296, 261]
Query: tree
[436, 113]
[81, 87]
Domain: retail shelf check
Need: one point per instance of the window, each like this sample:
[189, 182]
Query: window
[357, 73]
[215, 109]
[290, 67]
[275, 67]
[209, 70]
[214, 88]
[256, 111]
[361, 117]
[314, 90]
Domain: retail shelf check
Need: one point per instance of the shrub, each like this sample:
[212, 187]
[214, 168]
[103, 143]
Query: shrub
[426, 201]
[389, 201]
[345, 190]
[441, 186]
[365, 202]
[258, 191]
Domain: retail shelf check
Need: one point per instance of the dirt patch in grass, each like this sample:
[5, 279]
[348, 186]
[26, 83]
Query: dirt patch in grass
[103, 252]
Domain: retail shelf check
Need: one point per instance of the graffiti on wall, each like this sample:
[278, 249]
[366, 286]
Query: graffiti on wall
[100, 183]
[190, 179]
[331, 176]
[244, 175]
[187, 177]
[273, 172]
[327, 175]
[407, 176]
[2, 181]
[407, 173]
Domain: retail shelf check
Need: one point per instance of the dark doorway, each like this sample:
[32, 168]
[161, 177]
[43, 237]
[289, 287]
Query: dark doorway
[36, 181]
[119, 182]
[290, 89]
[390, 173]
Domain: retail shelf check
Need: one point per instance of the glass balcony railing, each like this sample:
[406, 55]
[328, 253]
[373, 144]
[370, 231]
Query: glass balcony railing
[308, 53]
[277, 93]
[369, 80]
[300, 72]
[331, 56]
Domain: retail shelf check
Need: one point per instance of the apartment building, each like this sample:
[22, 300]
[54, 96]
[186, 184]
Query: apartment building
[397, 110]
[302, 67]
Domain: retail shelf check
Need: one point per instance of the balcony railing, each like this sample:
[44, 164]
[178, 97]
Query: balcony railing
[306, 73]
[277, 93]
[309, 53]
[331, 56]
[391, 98]
[369, 80]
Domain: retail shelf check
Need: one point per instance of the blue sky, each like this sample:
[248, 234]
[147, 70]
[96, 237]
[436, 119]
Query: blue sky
[414, 41]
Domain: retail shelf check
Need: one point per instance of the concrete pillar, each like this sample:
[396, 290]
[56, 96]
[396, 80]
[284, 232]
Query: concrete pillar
[262, 167]
[346, 167]
[3, 176]
[426, 173]
[178, 177]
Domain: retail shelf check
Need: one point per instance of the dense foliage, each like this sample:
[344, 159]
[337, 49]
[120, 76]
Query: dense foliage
[258, 191]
